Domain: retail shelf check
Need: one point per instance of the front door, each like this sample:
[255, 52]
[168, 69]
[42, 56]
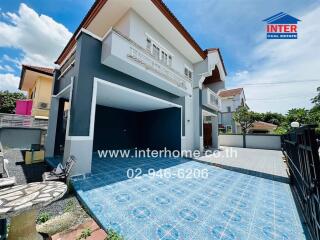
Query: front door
[207, 135]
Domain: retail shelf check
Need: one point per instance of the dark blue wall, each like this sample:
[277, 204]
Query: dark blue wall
[121, 129]
[161, 128]
[115, 129]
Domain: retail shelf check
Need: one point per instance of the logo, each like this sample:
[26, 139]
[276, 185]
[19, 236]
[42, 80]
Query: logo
[282, 26]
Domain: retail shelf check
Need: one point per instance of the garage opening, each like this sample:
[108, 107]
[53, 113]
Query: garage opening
[127, 119]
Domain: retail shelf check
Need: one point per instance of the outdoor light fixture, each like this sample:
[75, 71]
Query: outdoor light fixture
[295, 124]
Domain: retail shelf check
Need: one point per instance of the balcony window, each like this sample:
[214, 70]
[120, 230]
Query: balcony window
[170, 61]
[188, 73]
[164, 57]
[156, 52]
[149, 44]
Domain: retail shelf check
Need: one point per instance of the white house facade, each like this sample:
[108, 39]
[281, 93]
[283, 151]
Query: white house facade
[231, 99]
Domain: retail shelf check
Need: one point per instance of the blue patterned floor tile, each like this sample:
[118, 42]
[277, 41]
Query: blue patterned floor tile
[226, 205]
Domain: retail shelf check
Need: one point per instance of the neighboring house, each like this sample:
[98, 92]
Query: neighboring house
[134, 77]
[262, 127]
[231, 99]
[37, 82]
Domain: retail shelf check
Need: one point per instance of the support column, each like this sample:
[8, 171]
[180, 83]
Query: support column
[51, 132]
[79, 138]
[215, 132]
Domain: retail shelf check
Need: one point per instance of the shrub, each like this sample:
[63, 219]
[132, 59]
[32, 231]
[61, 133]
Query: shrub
[85, 234]
[113, 235]
[43, 217]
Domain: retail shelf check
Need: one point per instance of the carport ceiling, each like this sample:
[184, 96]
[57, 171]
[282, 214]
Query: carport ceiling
[116, 96]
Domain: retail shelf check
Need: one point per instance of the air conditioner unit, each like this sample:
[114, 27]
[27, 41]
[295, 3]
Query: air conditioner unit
[43, 105]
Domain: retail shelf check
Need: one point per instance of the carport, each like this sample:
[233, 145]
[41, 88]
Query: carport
[128, 119]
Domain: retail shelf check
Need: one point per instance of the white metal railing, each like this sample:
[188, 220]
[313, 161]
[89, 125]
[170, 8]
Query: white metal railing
[144, 57]
[13, 120]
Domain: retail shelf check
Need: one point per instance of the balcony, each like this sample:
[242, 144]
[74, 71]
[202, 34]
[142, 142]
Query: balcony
[123, 54]
[210, 99]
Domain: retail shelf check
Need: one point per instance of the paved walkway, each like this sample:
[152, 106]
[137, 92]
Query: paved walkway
[258, 162]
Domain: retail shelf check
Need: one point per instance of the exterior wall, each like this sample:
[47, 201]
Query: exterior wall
[137, 29]
[262, 141]
[42, 93]
[27, 136]
[225, 116]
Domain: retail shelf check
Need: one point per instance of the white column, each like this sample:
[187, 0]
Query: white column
[215, 132]
[51, 132]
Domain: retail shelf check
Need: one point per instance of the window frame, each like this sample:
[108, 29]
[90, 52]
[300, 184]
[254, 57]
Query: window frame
[168, 55]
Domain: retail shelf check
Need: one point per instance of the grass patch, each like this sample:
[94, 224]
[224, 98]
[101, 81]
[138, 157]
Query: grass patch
[113, 235]
[85, 234]
[70, 206]
[43, 217]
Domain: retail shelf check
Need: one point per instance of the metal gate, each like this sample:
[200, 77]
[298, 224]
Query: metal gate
[300, 148]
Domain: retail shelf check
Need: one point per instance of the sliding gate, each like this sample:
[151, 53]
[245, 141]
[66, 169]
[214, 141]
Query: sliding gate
[301, 149]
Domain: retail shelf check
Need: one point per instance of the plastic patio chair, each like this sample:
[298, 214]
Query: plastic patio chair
[52, 176]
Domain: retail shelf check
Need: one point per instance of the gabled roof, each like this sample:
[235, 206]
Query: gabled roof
[218, 50]
[96, 7]
[43, 70]
[230, 92]
[263, 125]
[281, 18]
[36, 69]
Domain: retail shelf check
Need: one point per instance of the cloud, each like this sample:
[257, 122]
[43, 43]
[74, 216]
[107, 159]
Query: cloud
[39, 37]
[9, 82]
[295, 62]
[6, 68]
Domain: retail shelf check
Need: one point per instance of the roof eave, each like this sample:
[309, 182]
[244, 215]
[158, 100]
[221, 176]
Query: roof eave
[25, 68]
[96, 7]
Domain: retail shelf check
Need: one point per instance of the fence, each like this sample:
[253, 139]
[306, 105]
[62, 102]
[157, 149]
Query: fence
[301, 150]
[259, 141]
[13, 120]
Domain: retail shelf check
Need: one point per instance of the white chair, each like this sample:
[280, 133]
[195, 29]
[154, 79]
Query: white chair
[7, 181]
[52, 176]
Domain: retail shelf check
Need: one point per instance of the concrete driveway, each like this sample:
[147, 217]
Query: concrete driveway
[259, 162]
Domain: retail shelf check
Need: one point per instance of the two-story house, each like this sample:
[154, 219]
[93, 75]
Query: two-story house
[134, 78]
[231, 99]
[37, 82]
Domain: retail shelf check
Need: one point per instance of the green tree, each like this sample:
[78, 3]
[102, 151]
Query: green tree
[246, 119]
[316, 99]
[300, 115]
[8, 101]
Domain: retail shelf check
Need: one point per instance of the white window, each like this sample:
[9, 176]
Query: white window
[228, 129]
[149, 44]
[187, 72]
[156, 51]
[170, 61]
[159, 52]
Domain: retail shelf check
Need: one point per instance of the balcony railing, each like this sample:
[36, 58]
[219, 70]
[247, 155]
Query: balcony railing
[211, 99]
[13, 120]
[125, 55]
[144, 57]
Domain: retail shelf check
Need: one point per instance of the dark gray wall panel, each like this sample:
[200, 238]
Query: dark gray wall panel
[161, 129]
[21, 138]
[115, 129]
[121, 129]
